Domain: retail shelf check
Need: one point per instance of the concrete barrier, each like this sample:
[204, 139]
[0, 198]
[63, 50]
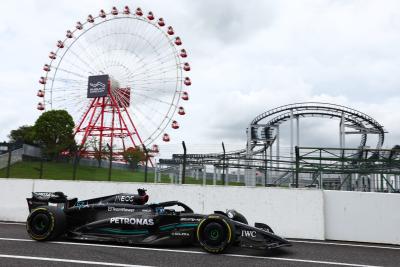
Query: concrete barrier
[13, 206]
[362, 216]
[291, 213]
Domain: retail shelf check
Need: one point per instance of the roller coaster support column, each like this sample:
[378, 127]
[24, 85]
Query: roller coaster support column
[265, 166]
[342, 132]
[247, 175]
[291, 134]
[223, 165]
[277, 146]
[297, 131]
[291, 140]
[297, 166]
[270, 157]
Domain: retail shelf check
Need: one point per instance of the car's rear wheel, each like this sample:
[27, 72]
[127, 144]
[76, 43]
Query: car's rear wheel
[215, 233]
[46, 223]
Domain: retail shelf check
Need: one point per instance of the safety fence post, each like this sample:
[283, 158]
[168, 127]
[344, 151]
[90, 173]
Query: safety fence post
[110, 162]
[9, 160]
[75, 166]
[147, 159]
[184, 162]
[297, 165]
[41, 166]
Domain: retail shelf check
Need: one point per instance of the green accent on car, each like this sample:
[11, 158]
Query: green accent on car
[178, 225]
[145, 231]
[124, 231]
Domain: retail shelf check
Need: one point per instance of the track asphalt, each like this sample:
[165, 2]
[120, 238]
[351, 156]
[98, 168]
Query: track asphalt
[17, 249]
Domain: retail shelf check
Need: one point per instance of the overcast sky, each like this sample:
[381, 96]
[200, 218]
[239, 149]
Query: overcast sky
[246, 56]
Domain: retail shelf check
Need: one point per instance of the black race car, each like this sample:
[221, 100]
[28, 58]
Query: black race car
[127, 218]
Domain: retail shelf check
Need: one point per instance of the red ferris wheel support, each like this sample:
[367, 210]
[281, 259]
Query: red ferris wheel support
[107, 120]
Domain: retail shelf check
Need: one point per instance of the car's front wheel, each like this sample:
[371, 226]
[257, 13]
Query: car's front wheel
[46, 223]
[215, 233]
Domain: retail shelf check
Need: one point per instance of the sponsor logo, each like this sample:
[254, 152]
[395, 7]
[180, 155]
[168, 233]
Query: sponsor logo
[120, 209]
[160, 210]
[131, 221]
[99, 86]
[129, 199]
[248, 233]
[180, 234]
[82, 204]
[146, 210]
[190, 219]
[44, 194]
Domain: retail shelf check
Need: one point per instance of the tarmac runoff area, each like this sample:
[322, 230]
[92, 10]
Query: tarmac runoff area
[17, 249]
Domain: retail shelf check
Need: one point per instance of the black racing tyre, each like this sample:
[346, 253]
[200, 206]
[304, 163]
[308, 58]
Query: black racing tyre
[215, 233]
[46, 223]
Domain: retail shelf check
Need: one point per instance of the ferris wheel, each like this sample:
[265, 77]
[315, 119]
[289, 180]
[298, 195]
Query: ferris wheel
[121, 75]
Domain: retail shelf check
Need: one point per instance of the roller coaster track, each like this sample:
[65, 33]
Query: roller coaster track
[261, 131]
[355, 119]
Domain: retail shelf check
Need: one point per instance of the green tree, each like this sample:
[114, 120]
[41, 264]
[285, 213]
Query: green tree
[134, 155]
[54, 130]
[24, 134]
[99, 154]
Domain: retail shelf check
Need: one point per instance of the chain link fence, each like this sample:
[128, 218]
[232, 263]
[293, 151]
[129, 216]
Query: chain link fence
[320, 168]
[27, 161]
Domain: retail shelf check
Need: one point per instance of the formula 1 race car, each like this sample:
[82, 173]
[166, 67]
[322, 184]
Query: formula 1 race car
[127, 218]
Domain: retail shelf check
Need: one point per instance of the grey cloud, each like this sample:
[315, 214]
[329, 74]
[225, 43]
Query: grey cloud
[233, 21]
[246, 58]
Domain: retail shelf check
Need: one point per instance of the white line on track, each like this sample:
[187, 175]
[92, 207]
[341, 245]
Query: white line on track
[70, 261]
[296, 241]
[195, 252]
[14, 223]
[342, 244]
[305, 261]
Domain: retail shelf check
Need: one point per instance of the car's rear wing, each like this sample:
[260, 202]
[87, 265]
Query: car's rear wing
[50, 199]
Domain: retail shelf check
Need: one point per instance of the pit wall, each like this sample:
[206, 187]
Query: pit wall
[292, 213]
